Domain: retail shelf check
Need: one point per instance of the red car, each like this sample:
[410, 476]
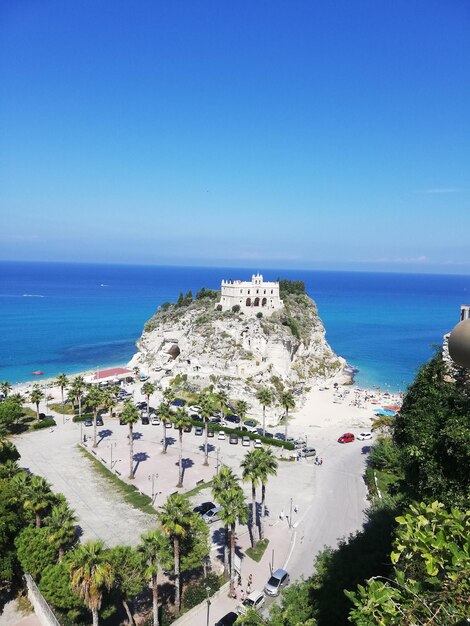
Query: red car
[346, 438]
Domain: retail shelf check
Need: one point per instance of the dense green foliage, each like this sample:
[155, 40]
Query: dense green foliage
[35, 551]
[287, 287]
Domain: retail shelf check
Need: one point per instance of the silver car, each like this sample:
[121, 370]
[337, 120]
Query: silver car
[212, 515]
[308, 452]
[278, 580]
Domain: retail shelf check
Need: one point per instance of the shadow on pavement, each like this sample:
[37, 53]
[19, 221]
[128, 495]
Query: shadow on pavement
[139, 457]
[102, 434]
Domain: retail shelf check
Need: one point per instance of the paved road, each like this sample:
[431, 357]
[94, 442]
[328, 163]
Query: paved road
[102, 513]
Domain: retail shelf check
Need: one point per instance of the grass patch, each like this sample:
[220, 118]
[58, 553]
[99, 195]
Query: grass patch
[385, 480]
[257, 552]
[128, 492]
[66, 409]
[197, 489]
[28, 413]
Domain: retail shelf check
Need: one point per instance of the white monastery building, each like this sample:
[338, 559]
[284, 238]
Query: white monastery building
[251, 297]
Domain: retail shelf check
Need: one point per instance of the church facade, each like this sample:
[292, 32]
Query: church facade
[251, 297]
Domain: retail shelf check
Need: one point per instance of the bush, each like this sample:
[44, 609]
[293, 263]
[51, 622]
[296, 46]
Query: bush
[35, 551]
[259, 315]
[77, 418]
[236, 308]
[195, 592]
[47, 422]
[384, 455]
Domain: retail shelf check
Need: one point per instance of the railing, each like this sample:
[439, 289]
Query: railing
[43, 611]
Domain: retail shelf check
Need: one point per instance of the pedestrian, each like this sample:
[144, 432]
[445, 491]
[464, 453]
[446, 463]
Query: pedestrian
[242, 595]
[250, 582]
[281, 515]
[321, 461]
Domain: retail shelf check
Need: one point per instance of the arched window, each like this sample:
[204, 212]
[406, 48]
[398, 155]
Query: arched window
[248, 301]
[256, 302]
[263, 302]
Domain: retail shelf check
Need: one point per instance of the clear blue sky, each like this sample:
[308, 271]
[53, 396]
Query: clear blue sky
[255, 133]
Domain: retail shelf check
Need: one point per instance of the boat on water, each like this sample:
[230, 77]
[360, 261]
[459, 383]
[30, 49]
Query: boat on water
[37, 373]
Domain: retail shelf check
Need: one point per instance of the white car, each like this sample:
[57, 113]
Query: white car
[221, 435]
[168, 424]
[364, 436]
[254, 601]
[155, 420]
[194, 408]
[246, 441]
[257, 444]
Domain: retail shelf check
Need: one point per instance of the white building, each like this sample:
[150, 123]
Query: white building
[251, 297]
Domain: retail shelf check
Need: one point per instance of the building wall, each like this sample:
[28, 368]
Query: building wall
[252, 296]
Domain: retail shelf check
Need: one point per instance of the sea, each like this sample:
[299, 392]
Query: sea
[62, 317]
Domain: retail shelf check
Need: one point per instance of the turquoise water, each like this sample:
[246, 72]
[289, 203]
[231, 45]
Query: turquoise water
[60, 317]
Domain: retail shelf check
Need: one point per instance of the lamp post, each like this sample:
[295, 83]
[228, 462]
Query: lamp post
[208, 600]
[111, 446]
[153, 478]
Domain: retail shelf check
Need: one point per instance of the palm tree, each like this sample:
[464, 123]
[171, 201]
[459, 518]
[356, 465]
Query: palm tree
[35, 397]
[37, 497]
[287, 400]
[267, 466]
[223, 483]
[61, 523]
[250, 473]
[5, 387]
[168, 395]
[90, 574]
[180, 420]
[110, 399]
[62, 381]
[76, 391]
[265, 398]
[130, 416]
[234, 509]
[165, 415]
[242, 408]
[174, 518]
[148, 389]
[206, 405]
[222, 397]
[152, 546]
[94, 400]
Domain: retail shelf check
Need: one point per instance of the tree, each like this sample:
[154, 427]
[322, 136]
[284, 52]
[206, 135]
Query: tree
[94, 400]
[153, 545]
[35, 551]
[180, 421]
[110, 399]
[231, 498]
[251, 618]
[431, 578]
[5, 387]
[222, 397]
[77, 390]
[242, 408]
[267, 466]
[287, 401]
[62, 381]
[207, 407]
[91, 573]
[8, 451]
[148, 389]
[222, 483]
[10, 412]
[295, 607]
[130, 416]
[265, 398]
[38, 497]
[61, 526]
[35, 397]
[250, 473]
[12, 520]
[129, 580]
[165, 415]
[174, 517]
[55, 587]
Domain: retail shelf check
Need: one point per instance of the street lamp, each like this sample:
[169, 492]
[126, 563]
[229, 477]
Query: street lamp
[153, 478]
[111, 446]
[208, 600]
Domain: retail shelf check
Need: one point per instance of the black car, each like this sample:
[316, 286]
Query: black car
[145, 420]
[232, 418]
[227, 620]
[204, 507]
[187, 429]
[99, 421]
[88, 422]
[233, 438]
[215, 419]
[196, 417]
[141, 405]
[210, 433]
[178, 402]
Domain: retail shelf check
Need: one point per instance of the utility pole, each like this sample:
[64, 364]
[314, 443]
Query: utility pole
[290, 516]
[153, 478]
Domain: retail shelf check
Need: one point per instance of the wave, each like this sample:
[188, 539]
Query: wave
[32, 295]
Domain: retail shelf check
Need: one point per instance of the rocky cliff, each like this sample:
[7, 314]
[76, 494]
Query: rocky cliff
[237, 351]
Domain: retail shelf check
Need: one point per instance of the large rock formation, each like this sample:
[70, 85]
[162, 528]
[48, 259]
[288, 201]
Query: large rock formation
[239, 352]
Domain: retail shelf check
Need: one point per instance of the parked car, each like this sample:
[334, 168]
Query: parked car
[187, 429]
[228, 619]
[212, 515]
[194, 408]
[215, 419]
[145, 420]
[364, 436]
[196, 417]
[346, 438]
[204, 507]
[258, 443]
[198, 430]
[254, 601]
[178, 402]
[144, 414]
[299, 444]
[250, 423]
[155, 420]
[140, 405]
[233, 438]
[308, 452]
[234, 419]
[88, 422]
[210, 433]
[246, 441]
[221, 435]
[168, 424]
[99, 421]
[278, 580]
[267, 434]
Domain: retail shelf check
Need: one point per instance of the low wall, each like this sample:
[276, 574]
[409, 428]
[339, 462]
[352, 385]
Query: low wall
[42, 610]
[187, 617]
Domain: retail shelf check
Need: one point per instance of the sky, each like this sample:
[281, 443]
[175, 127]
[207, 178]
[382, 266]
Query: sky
[296, 134]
